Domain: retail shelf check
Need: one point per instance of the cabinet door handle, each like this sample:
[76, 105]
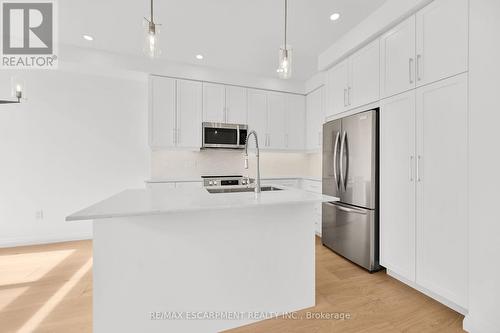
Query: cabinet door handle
[411, 70]
[174, 136]
[349, 96]
[345, 92]
[419, 57]
[419, 179]
[411, 168]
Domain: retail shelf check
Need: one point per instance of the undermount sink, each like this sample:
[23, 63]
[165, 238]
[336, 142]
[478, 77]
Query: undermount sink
[242, 189]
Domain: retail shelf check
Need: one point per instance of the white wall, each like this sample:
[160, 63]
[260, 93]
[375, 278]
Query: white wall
[484, 229]
[77, 140]
[191, 164]
[107, 61]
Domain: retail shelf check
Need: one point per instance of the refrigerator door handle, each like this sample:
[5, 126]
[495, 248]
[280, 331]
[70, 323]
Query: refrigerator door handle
[343, 173]
[335, 160]
[348, 210]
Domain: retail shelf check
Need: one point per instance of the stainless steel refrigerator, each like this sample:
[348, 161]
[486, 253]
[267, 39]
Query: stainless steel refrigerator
[350, 172]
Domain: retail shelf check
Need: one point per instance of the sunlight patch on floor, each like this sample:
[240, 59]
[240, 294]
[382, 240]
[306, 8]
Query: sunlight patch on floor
[25, 268]
[9, 295]
[54, 300]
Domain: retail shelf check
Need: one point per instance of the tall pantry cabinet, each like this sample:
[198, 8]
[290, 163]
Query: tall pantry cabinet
[424, 151]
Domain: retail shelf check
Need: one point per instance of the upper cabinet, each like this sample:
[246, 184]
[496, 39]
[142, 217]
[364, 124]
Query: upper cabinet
[175, 106]
[278, 119]
[236, 105]
[365, 76]
[314, 119]
[429, 46]
[397, 59]
[214, 103]
[295, 138]
[257, 114]
[355, 81]
[337, 86]
[442, 40]
[276, 125]
[189, 114]
[162, 112]
[224, 104]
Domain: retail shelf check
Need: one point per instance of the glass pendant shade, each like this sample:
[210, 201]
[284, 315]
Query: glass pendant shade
[285, 63]
[151, 41]
[18, 88]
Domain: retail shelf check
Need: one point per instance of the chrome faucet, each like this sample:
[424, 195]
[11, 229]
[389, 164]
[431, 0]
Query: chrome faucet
[257, 187]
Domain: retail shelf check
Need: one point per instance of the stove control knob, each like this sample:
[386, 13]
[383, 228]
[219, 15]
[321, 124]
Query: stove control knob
[210, 182]
[215, 182]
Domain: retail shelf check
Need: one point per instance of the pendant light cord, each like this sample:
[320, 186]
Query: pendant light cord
[286, 21]
[151, 11]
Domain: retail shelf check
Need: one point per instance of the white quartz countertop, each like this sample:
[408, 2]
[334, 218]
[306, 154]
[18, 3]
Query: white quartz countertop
[143, 202]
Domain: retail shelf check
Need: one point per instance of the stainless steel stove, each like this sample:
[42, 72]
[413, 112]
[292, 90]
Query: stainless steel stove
[212, 181]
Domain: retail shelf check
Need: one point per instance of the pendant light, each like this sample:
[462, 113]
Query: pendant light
[18, 91]
[151, 46]
[285, 53]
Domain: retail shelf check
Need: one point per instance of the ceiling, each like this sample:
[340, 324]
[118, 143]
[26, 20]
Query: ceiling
[233, 35]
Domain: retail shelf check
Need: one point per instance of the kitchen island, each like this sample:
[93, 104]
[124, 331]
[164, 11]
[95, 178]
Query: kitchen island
[186, 260]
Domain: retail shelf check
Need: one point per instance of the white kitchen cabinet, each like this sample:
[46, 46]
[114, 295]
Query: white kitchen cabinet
[214, 102]
[269, 114]
[296, 122]
[315, 187]
[175, 113]
[162, 112]
[257, 114]
[188, 184]
[236, 105]
[276, 126]
[336, 89]
[397, 184]
[189, 114]
[397, 59]
[427, 47]
[364, 79]
[423, 188]
[442, 188]
[355, 81]
[442, 40]
[314, 119]
[224, 104]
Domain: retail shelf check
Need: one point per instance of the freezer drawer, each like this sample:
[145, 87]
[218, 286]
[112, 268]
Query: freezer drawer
[351, 232]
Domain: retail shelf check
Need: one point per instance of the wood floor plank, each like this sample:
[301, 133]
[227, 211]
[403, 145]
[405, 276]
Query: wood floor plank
[31, 275]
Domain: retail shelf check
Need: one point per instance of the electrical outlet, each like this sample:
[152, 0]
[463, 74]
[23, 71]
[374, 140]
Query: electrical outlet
[39, 214]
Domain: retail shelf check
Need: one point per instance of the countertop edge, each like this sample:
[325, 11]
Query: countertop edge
[74, 217]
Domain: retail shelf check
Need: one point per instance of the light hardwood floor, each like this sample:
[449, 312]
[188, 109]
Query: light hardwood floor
[48, 288]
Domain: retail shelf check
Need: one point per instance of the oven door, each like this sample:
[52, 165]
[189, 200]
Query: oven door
[217, 135]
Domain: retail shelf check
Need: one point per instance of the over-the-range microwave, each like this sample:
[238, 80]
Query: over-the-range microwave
[224, 136]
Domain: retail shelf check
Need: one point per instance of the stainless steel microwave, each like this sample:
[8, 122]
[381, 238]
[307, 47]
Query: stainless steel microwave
[228, 136]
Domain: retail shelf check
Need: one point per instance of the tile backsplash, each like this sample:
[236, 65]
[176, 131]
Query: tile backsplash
[172, 164]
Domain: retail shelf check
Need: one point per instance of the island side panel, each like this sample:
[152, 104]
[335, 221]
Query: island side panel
[233, 260]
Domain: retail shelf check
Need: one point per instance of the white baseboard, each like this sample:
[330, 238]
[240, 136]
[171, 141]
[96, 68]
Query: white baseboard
[429, 293]
[473, 325]
[25, 241]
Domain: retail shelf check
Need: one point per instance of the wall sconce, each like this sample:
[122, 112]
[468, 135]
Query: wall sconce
[18, 91]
